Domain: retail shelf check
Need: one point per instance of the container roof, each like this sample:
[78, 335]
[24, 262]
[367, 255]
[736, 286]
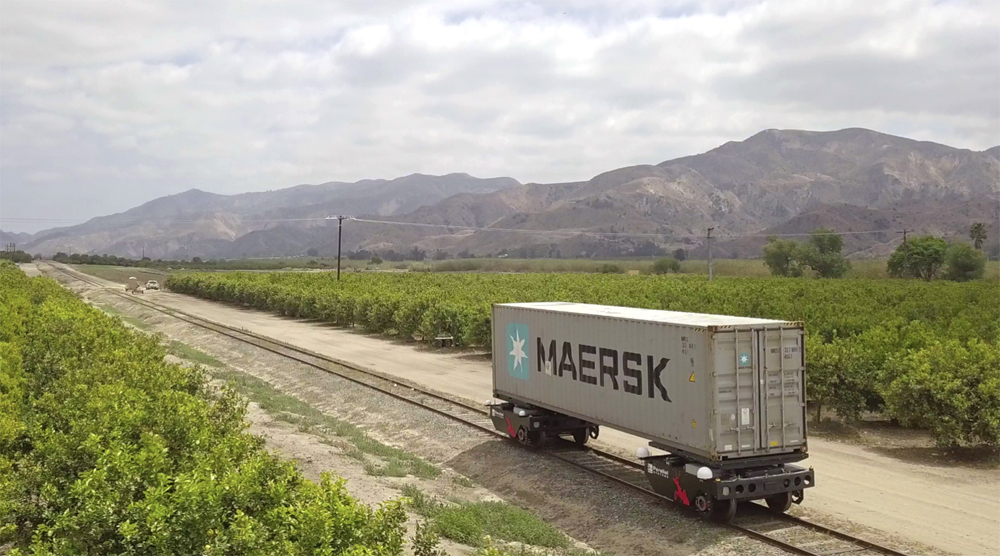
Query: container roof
[648, 315]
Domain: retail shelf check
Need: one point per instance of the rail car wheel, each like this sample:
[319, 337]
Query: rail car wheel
[522, 436]
[536, 438]
[779, 503]
[529, 438]
[594, 431]
[581, 436]
[724, 510]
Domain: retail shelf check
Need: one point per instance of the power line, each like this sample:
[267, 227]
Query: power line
[452, 227]
[612, 234]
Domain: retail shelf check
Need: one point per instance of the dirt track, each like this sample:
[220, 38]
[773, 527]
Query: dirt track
[949, 508]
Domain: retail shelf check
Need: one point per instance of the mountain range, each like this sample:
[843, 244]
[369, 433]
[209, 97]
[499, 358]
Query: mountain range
[776, 182]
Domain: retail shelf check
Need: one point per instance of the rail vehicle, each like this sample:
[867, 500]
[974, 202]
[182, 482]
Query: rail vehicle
[719, 399]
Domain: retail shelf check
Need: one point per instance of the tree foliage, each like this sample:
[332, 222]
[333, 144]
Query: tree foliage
[666, 265]
[963, 263]
[977, 233]
[854, 326]
[823, 254]
[920, 257]
[107, 449]
[16, 256]
[782, 257]
[950, 388]
[931, 257]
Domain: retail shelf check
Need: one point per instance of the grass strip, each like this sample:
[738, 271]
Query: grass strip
[471, 522]
[184, 351]
[134, 321]
[394, 462]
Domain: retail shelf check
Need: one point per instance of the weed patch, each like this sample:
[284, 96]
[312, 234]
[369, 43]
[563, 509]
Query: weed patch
[471, 523]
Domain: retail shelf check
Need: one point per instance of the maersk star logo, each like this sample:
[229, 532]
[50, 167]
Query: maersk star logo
[518, 350]
[744, 360]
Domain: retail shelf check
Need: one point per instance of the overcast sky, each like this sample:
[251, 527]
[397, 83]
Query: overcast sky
[105, 105]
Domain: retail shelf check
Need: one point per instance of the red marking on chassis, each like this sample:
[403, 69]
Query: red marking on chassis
[679, 493]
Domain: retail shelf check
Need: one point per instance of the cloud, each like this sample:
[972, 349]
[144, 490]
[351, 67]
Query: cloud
[107, 105]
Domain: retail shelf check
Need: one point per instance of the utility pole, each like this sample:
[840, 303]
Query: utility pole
[904, 232]
[710, 253]
[340, 229]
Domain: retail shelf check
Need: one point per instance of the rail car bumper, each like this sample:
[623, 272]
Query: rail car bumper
[685, 481]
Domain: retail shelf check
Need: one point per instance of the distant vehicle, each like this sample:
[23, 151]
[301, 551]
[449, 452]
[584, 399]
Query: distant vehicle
[133, 285]
[152, 285]
[723, 396]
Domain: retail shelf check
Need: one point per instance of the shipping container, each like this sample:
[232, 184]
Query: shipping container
[718, 389]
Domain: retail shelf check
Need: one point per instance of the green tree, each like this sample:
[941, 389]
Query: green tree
[823, 254]
[680, 254]
[978, 235]
[105, 448]
[782, 257]
[666, 265]
[921, 257]
[950, 388]
[963, 263]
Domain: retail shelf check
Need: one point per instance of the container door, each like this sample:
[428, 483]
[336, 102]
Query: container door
[781, 399]
[739, 404]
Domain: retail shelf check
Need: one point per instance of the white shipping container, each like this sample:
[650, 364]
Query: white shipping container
[711, 386]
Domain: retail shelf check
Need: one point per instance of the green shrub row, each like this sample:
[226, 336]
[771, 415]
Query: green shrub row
[866, 338]
[107, 449]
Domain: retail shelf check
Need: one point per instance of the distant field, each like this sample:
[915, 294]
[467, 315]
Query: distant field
[750, 268]
[121, 274]
[725, 267]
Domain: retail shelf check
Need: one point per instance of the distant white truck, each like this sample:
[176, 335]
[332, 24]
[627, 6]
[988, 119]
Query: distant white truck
[152, 285]
[133, 285]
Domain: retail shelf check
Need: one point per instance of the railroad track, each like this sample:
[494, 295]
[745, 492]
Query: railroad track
[789, 533]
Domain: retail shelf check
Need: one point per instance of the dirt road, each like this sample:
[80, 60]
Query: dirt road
[952, 509]
[31, 269]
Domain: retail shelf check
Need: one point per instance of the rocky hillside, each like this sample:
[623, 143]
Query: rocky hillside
[774, 182]
[197, 223]
[777, 181]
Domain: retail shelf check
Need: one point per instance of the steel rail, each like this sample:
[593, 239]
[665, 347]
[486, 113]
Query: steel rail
[635, 467]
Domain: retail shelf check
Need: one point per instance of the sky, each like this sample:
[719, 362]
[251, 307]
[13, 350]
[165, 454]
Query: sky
[105, 105]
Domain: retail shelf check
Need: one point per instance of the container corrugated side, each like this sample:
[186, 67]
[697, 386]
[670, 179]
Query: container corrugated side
[652, 379]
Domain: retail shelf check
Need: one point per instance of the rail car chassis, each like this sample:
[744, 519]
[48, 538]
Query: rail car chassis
[710, 488]
[532, 426]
